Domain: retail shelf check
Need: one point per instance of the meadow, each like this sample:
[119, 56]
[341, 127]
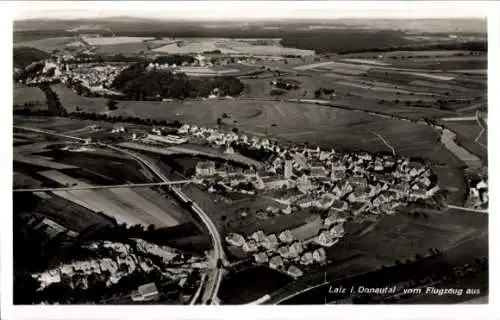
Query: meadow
[29, 95]
[122, 204]
[67, 213]
[46, 44]
[227, 46]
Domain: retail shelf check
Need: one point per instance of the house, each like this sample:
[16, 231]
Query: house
[300, 161]
[146, 292]
[325, 239]
[358, 181]
[275, 182]
[259, 236]
[337, 230]
[270, 242]
[205, 168]
[319, 255]
[284, 251]
[307, 258]
[261, 257]
[303, 184]
[317, 172]
[276, 262]
[306, 202]
[294, 272]
[286, 236]
[250, 246]
[482, 185]
[295, 249]
[235, 239]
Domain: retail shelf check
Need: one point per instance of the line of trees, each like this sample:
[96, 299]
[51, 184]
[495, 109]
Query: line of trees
[55, 107]
[19, 110]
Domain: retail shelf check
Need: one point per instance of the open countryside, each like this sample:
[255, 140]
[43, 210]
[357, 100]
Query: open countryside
[169, 163]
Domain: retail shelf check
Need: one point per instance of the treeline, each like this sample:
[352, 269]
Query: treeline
[345, 41]
[55, 107]
[174, 59]
[137, 83]
[355, 41]
[19, 110]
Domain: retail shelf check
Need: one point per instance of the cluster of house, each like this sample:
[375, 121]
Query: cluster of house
[95, 78]
[356, 182]
[202, 61]
[283, 252]
[124, 261]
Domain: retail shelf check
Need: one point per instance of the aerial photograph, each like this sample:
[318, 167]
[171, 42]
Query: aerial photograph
[169, 158]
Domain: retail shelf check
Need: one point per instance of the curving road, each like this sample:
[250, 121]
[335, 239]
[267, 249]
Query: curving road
[214, 279]
[217, 254]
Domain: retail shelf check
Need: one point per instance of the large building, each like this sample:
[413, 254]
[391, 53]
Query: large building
[205, 169]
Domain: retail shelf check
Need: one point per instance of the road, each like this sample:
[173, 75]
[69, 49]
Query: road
[215, 278]
[130, 185]
[467, 209]
[50, 133]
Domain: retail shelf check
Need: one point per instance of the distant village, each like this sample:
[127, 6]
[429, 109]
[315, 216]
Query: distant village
[97, 77]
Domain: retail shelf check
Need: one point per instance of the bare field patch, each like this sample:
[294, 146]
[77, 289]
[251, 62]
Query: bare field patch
[33, 95]
[41, 161]
[102, 41]
[123, 204]
[70, 100]
[68, 214]
[228, 46]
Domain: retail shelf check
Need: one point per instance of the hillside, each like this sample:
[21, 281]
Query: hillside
[24, 56]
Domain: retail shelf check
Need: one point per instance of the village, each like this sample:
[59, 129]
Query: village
[343, 186]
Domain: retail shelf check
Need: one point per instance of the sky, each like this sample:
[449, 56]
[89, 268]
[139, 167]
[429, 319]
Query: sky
[253, 10]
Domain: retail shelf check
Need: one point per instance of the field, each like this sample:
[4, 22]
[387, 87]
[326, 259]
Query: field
[29, 95]
[47, 44]
[122, 48]
[122, 204]
[103, 41]
[323, 125]
[62, 211]
[70, 100]
[467, 132]
[226, 46]
[460, 235]
[122, 170]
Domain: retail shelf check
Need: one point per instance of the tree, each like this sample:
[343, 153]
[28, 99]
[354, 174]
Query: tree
[112, 104]
[219, 122]
[225, 116]
[235, 130]
[317, 93]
